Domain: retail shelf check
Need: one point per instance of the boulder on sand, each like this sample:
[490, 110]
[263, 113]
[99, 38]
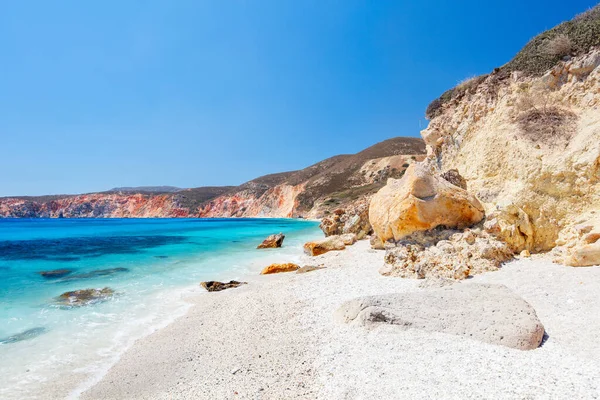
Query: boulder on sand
[322, 246]
[215, 286]
[421, 200]
[277, 268]
[271, 242]
[84, 297]
[309, 268]
[488, 313]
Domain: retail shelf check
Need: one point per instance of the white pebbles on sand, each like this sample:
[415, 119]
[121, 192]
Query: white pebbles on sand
[276, 338]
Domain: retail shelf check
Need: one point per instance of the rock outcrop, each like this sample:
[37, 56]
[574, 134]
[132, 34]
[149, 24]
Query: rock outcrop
[215, 286]
[579, 246]
[84, 297]
[421, 200]
[352, 219]
[487, 313]
[318, 247]
[278, 268]
[271, 242]
[529, 148]
[445, 253]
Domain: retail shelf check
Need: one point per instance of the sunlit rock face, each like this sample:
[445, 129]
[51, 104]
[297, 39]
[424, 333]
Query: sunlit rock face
[529, 149]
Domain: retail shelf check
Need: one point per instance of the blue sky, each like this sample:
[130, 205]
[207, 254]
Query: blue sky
[95, 95]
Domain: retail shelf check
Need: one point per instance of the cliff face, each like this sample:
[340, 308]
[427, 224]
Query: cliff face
[528, 146]
[312, 192]
[318, 190]
[96, 205]
[525, 141]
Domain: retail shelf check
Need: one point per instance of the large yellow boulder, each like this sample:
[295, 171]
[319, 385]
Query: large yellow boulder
[421, 200]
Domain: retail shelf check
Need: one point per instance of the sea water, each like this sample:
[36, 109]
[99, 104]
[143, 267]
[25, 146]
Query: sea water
[151, 264]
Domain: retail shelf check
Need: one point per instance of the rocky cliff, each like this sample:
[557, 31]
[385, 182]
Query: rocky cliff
[313, 192]
[526, 140]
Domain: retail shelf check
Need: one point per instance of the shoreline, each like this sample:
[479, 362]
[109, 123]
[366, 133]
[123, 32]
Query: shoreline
[276, 338]
[189, 296]
[79, 369]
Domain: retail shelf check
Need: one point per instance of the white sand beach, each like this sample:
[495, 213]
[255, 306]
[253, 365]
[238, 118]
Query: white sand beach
[276, 338]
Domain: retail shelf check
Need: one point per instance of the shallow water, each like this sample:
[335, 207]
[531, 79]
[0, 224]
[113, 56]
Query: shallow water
[150, 263]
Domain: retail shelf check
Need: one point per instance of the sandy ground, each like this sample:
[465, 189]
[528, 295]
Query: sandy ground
[276, 339]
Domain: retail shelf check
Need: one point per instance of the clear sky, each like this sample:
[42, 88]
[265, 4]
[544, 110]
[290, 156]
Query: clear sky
[100, 94]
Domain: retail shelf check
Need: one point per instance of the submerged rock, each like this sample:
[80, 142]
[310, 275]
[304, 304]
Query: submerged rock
[84, 297]
[215, 286]
[271, 242]
[25, 335]
[309, 268]
[96, 273]
[55, 273]
[488, 313]
[420, 201]
[277, 268]
[319, 247]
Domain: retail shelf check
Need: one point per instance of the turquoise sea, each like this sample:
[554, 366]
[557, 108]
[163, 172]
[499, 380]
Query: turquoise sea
[152, 264]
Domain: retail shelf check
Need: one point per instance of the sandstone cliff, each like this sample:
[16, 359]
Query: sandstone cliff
[525, 140]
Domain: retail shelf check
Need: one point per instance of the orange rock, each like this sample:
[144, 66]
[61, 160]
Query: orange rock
[319, 247]
[421, 201]
[277, 268]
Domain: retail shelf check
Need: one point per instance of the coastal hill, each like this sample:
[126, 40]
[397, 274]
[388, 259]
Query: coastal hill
[311, 192]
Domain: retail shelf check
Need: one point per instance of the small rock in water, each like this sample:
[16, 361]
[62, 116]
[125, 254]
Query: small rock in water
[272, 242]
[96, 273]
[25, 335]
[55, 273]
[84, 297]
[161, 256]
[66, 259]
[214, 286]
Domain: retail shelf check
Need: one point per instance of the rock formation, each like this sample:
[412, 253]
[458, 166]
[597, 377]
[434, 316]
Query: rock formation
[445, 253]
[215, 286]
[84, 297]
[352, 219]
[421, 200]
[278, 268]
[529, 147]
[318, 247]
[579, 246]
[271, 242]
[488, 313]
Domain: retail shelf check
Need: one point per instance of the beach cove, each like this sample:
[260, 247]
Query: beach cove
[277, 338]
[151, 265]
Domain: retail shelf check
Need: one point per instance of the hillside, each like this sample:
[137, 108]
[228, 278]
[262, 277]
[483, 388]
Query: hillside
[313, 191]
